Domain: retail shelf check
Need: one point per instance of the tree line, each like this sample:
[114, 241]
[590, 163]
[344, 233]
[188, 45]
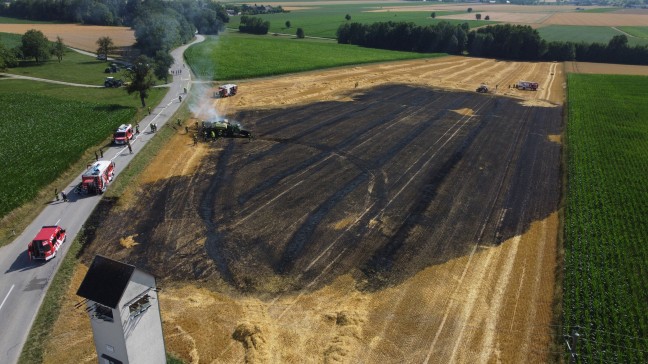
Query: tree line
[503, 41]
[203, 14]
[253, 25]
[402, 36]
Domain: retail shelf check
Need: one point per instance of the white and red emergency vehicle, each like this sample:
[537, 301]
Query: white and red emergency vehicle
[97, 177]
[123, 134]
[46, 243]
[226, 90]
[527, 85]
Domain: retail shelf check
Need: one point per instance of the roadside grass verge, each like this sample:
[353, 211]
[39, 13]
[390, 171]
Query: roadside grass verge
[46, 132]
[606, 234]
[587, 34]
[639, 32]
[324, 21]
[33, 351]
[237, 55]
[134, 169]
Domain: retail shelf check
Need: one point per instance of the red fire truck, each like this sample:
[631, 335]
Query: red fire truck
[46, 243]
[123, 134]
[97, 177]
[226, 90]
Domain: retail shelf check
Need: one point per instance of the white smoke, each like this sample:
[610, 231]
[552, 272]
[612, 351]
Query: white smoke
[202, 104]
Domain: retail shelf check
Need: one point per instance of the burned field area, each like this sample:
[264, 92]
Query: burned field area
[379, 188]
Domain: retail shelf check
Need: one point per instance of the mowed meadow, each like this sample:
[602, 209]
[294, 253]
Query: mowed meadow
[606, 219]
[237, 55]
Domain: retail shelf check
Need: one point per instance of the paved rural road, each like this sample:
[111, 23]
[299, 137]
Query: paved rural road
[24, 283]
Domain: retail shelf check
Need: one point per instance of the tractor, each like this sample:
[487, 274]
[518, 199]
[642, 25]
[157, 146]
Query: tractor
[224, 128]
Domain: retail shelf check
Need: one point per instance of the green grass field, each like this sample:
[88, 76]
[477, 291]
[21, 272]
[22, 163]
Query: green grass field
[236, 55]
[45, 128]
[10, 40]
[325, 20]
[600, 10]
[5, 20]
[606, 219]
[639, 32]
[587, 34]
[75, 67]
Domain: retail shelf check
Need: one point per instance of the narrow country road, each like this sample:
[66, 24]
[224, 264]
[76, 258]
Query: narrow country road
[24, 283]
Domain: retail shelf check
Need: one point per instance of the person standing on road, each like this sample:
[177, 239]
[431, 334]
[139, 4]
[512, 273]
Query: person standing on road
[130, 149]
[180, 98]
[56, 194]
[101, 152]
[96, 157]
[137, 128]
[64, 196]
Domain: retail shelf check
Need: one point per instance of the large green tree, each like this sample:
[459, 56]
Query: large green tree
[35, 45]
[141, 78]
[105, 45]
[7, 58]
[163, 62]
[58, 50]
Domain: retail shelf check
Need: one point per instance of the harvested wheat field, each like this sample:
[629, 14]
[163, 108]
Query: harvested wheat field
[77, 36]
[605, 68]
[383, 214]
[598, 19]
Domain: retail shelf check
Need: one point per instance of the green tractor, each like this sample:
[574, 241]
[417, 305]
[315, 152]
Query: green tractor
[224, 128]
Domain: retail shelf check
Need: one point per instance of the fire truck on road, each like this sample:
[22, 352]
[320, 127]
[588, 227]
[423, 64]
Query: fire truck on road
[46, 243]
[97, 177]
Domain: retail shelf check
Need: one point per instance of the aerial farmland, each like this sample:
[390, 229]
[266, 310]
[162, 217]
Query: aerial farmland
[387, 212]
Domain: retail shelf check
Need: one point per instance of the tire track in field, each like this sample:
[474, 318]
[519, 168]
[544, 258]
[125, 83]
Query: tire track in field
[327, 123]
[305, 232]
[375, 208]
[331, 262]
[428, 159]
[316, 159]
[206, 211]
[490, 212]
[382, 261]
[337, 150]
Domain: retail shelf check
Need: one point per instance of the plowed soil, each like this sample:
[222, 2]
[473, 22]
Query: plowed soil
[383, 214]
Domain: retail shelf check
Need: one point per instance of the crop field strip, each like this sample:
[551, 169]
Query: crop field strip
[47, 128]
[587, 34]
[606, 283]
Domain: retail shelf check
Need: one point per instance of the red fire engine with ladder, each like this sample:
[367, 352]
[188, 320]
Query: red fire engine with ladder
[46, 243]
[97, 177]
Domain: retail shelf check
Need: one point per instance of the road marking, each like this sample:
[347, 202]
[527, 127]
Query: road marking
[57, 222]
[7, 296]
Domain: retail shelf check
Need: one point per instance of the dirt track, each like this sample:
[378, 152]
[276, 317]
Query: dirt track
[395, 221]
